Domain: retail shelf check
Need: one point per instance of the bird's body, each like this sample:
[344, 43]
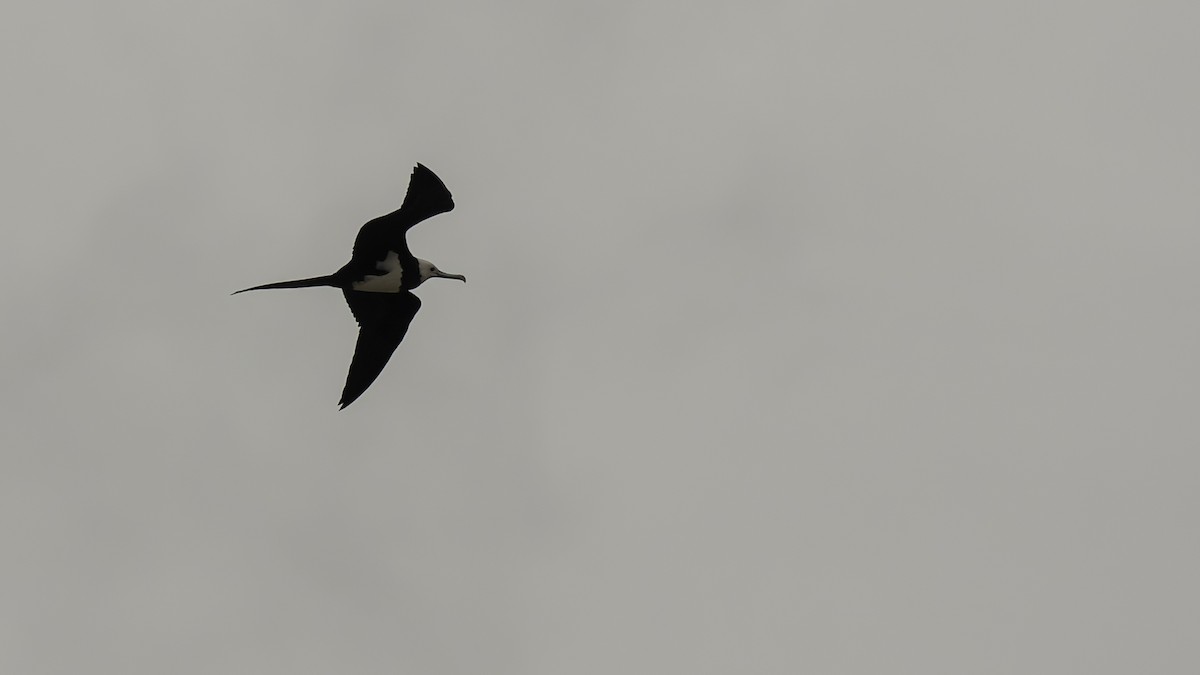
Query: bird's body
[388, 276]
[378, 280]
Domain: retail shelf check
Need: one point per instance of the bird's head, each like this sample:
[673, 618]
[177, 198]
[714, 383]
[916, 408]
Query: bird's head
[428, 271]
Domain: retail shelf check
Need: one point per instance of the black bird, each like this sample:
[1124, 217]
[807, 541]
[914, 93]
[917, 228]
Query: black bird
[379, 279]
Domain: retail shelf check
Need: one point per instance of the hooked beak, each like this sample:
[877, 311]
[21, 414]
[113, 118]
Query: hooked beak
[443, 275]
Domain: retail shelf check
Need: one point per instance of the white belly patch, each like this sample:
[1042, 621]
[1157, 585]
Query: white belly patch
[387, 281]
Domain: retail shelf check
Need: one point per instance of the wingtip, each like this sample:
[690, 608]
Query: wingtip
[422, 169]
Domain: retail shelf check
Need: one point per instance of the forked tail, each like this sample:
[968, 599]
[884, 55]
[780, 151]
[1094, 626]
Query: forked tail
[295, 283]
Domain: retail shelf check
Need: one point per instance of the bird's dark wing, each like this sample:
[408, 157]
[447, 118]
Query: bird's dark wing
[383, 320]
[427, 196]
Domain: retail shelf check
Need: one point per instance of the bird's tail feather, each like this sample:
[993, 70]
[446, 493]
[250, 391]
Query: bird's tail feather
[295, 283]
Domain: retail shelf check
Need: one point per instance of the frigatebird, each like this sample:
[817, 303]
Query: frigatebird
[379, 279]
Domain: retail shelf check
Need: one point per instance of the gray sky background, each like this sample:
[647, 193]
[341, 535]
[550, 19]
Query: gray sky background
[804, 337]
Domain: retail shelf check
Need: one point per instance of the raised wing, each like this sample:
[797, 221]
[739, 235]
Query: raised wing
[383, 319]
[427, 196]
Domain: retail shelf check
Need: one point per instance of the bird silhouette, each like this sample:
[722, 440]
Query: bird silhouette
[378, 281]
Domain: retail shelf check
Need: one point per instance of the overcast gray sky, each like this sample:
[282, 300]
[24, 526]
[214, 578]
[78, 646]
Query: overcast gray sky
[800, 337]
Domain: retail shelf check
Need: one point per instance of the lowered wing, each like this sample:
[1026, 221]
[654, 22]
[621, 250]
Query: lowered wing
[383, 319]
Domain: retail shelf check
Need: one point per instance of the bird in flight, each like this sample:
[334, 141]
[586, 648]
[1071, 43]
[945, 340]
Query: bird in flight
[378, 280]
